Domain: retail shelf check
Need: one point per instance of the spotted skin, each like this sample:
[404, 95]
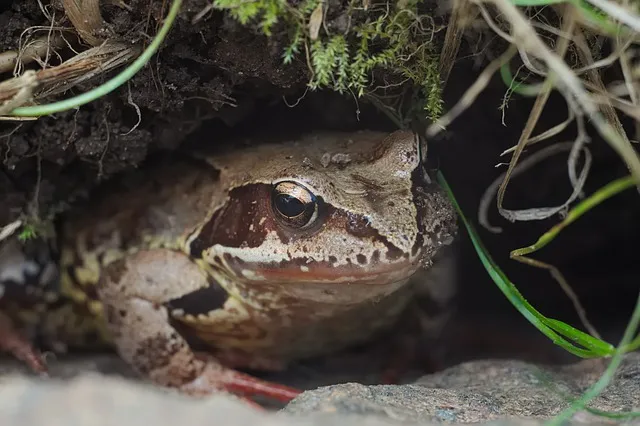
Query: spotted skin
[198, 253]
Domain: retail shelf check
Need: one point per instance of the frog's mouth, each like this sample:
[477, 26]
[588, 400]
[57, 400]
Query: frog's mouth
[322, 281]
[325, 273]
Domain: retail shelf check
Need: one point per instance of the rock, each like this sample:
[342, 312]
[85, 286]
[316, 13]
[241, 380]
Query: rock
[483, 391]
[67, 367]
[97, 400]
[101, 390]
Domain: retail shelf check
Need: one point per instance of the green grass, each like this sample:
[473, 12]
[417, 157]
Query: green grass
[624, 27]
[564, 335]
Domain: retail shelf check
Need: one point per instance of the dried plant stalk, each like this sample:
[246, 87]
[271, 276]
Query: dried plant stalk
[80, 68]
[86, 18]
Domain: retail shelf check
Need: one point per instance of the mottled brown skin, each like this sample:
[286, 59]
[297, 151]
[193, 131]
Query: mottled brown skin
[200, 255]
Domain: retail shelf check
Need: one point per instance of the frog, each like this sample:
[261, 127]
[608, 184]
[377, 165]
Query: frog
[250, 257]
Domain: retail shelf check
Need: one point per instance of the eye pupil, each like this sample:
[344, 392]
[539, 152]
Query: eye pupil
[289, 206]
[294, 205]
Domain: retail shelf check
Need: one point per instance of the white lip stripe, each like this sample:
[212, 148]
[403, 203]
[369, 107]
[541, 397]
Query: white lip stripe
[274, 250]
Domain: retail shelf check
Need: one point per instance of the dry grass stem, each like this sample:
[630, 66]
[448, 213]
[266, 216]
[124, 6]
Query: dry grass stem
[87, 20]
[566, 288]
[593, 77]
[606, 99]
[536, 213]
[471, 94]
[602, 63]
[547, 134]
[568, 26]
[567, 82]
[453, 37]
[9, 229]
[19, 91]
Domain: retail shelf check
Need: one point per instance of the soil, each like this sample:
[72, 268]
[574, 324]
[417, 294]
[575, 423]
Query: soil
[213, 70]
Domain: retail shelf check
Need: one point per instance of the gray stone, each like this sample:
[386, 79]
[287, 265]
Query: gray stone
[101, 390]
[96, 400]
[484, 391]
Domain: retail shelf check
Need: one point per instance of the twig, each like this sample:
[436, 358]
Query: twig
[20, 91]
[15, 343]
[95, 61]
[111, 84]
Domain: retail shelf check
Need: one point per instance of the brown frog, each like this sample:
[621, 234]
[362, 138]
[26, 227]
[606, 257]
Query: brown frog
[256, 257]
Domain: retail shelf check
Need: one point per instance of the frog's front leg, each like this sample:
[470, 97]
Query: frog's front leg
[134, 292]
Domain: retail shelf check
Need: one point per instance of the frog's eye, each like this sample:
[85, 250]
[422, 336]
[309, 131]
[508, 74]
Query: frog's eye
[294, 204]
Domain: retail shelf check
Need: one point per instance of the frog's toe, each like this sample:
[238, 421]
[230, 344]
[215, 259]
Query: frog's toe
[215, 378]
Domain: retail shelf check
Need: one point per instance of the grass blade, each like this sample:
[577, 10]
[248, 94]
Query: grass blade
[553, 329]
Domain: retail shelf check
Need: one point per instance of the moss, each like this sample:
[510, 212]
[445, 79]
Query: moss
[354, 44]
[28, 232]
[34, 226]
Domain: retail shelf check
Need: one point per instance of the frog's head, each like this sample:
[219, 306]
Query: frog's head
[325, 214]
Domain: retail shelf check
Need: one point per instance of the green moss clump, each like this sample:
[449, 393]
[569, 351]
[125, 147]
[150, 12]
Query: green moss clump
[28, 232]
[389, 37]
